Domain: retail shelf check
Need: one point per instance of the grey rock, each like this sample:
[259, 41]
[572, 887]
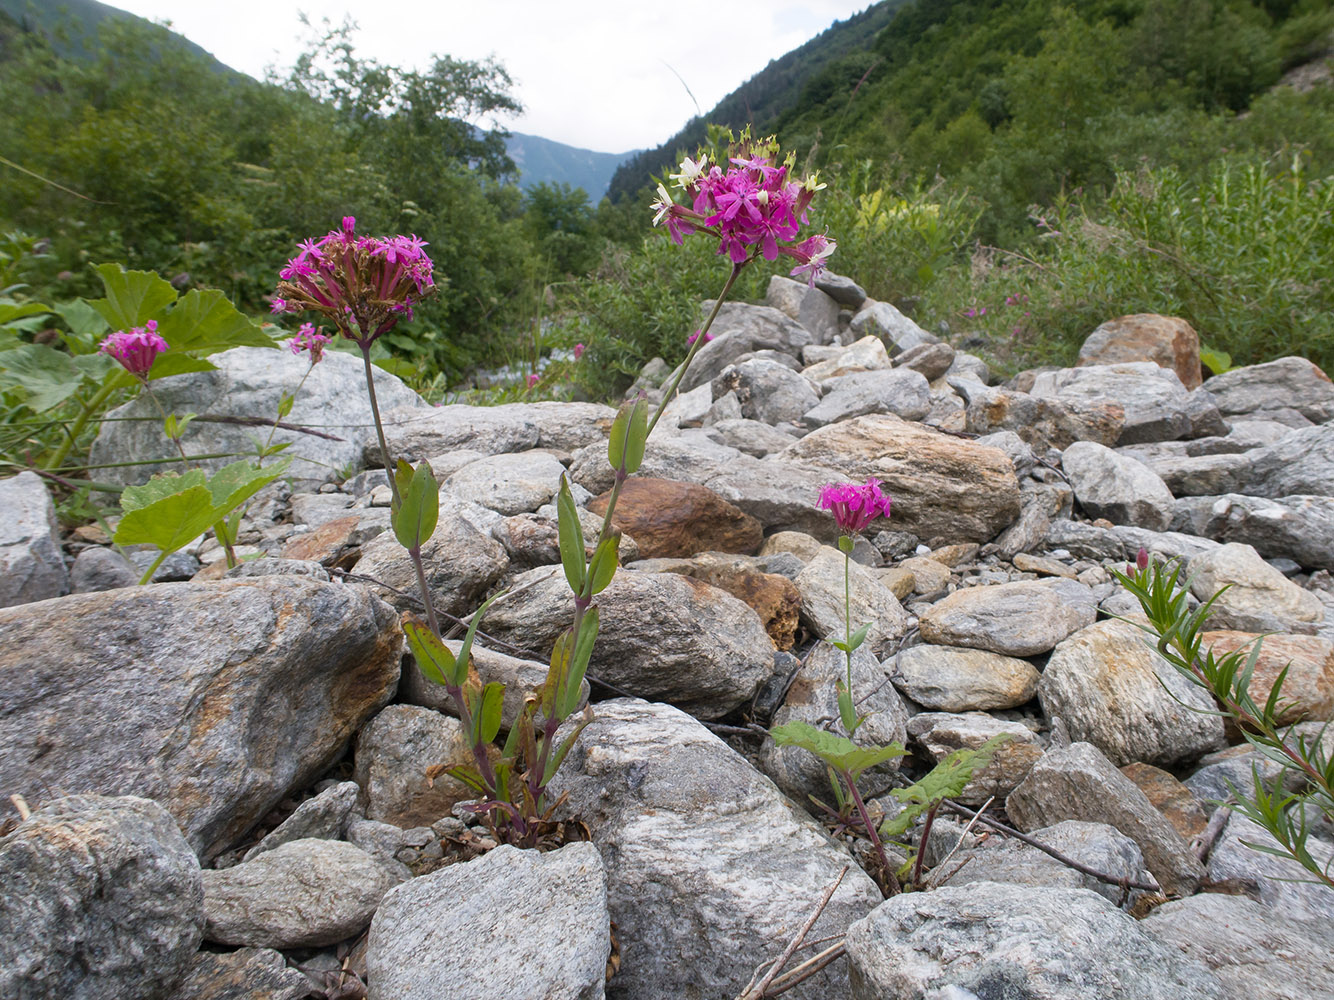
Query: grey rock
[844, 291]
[708, 864]
[956, 679]
[1258, 597]
[97, 569]
[752, 437]
[394, 752]
[769, 392]
[244, 974]
[1300, 528]
[1288, 383]
[382, 841]
[1015, 619]
[1078, 782]
[811, 307]
[176, 567]
[740, 329]
[509, 484]
[725, 408]
[1244, 435]
[249, 382]
[302, 894]
[1205, 418]
[900, 391]
[1117, 488]
[664, 636]
[324, 816]
[778, 493]
[462, 562]
[278, 567]
[1201, 475]
[990, 939]
[1111, 688]
[1088, 541]
[895, 544]
[412, 952]
[1096, 845]
[813, 699]
[942, 733]
[102, 901]
[1041, 422]
[1284, 884]
[1157, 406]
[1235, 768]
[1256, 952]
[689, 409]
[823, 606]
[689, 457]
[884, 321]
[1301, 463]
[932, 360]
[32, 567]
[969, 367]
[416, 434]
[867, 354]
[216, 699]
[1041, 503]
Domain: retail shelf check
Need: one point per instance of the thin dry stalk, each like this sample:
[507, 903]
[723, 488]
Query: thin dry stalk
[959, 843]
[758, 992]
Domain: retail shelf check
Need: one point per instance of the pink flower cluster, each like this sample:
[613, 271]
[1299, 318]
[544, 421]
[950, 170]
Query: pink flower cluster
[135, 350]
[752, 207]
[363, 284]
[309, 339]
[854, 506]
[695, 336]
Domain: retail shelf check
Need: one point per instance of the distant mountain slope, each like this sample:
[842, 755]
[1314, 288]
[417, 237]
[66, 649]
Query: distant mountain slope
[82, 17]
[798, 77]
[544, 160]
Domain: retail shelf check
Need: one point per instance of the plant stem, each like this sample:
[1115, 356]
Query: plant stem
[148, 576]
[89, 409]
[871, 832]
[847, 613]
[163, 414]
[921, 845]
[379, 433]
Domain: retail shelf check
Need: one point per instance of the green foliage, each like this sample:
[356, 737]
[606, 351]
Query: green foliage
[838, 752]
[1178, 634]
[171, 510]
[944, 781]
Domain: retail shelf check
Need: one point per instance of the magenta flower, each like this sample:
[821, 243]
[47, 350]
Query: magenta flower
[309, 339]
[363, 284]
[753, 208]
[533, 379]
[854, 506]
[579, 351]
[695, 336]
[135, 350]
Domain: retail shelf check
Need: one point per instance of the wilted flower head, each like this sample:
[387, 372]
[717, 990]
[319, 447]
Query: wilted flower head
[854, 506]
[309, 339]
[137, 349]
[754, 207]
[363, 284]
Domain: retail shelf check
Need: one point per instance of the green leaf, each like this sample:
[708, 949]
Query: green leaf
[858, 637]
[171, 522]
[204, 323]
[835, 750]
[167, 364]
[620, 428]
[603, 567]
[47, 377]
[637, 437]
[86, 324]
[944, 781]
[571, 535]
[11, 310]
[236, 483]
[285, 405]
[588, 634]
[160, 487]
[1215, 360]
[133, 297]
[96, 366]
[433, 657]
[419, 509]
[846, 712]
[493, 697]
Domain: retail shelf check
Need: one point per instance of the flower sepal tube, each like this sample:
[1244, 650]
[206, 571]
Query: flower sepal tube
[752, 205]
[136, 350]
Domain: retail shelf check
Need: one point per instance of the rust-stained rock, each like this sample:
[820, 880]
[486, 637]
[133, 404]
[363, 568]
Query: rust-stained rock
[1039, 421]
[1171, 798]
[1167, 341]
[1308, 690]
[668, 518]
[774, 598]
[943, 486]
[217, 700]
[334, 543]
[396, 753]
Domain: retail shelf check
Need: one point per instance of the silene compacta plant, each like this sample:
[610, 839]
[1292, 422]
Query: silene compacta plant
[363, 286]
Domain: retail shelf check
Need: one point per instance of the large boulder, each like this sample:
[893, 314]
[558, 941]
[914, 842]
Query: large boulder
[248, 385]
[412, 952]
[1157, 406]
[1013, 619]
[767, 391]
[417, 433]
[942, 486]
[1041, 422]
[900, 391]
[1167, 341]
[1111, 688]
[1258, 597]
[1300, 528]
[1300, 463]
[958, 679]
[1117, 488]
[662, 636]
[990, 939]
[709, 867]
[32, 567]
[102, 901]
[1274, 388]
[215, 699]
[667, 518]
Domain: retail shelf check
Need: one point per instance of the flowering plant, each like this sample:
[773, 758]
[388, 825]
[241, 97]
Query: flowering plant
[136, 350]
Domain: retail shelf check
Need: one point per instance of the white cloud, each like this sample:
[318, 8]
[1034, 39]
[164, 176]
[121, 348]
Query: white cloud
[590, 73]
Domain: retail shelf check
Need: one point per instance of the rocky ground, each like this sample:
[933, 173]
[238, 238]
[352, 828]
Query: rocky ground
[226, 771]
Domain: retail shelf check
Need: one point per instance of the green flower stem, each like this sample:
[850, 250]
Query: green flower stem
[893, 880]
[163, 414]
[847, 604]
[699, 342]
[379, 433]
[148, 576]
[90, 409]
[272, 430]
[921, 846]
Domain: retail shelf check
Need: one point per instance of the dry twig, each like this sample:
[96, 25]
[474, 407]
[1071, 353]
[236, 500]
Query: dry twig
[757, 992]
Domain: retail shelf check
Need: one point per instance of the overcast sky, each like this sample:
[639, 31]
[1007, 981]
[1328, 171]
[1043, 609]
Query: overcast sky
[590, 73]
